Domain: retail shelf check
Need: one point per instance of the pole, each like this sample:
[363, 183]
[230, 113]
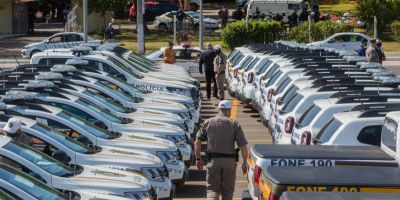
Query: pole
[375, 27]
[174, 29]
[140, 28]
[85, 21]
[309, 28]
[201, 25]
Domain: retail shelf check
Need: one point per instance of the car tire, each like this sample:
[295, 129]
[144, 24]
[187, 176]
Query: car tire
[162, 27]
[33, 52]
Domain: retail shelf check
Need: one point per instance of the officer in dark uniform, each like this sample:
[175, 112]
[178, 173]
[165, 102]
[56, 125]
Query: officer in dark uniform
[221, 134]
[207, 59]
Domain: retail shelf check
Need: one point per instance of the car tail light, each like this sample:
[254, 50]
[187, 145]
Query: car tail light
[306, 138]
[250, 77]
[289, 123]
[270, 94]
[235, 73]
[257, 175]
[272, 196]
[279, 101]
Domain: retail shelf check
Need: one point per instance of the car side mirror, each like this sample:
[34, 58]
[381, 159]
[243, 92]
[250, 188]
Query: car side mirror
[100, 124]
[84, 140]
[61, 156]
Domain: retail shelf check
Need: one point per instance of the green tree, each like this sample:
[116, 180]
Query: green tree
[386, 12]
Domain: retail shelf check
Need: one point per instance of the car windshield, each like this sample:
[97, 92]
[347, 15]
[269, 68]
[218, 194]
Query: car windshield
[246, 62]
[327, 131]
[308, 116]
[133, 55]
[103, 112]
[273, 79]
[289, 95]
[252, 64]
[283, 86]
[116, 92]
[292, 103]
[271, 71]
[123, 67]
[109, 103]
[133, 63]
[28, 184]
[61, 138]
[98, 132]
[39, 159]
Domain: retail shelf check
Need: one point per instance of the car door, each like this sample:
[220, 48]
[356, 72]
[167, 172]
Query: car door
[153, 12]
[56, 42]
[189, 58]
[73, 40]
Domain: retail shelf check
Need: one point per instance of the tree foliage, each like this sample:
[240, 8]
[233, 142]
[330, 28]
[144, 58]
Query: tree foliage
[386, 12]
[319, 31]
[103, 6]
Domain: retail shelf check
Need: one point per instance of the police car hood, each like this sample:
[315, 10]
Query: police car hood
[141, 156]
[107, 178]
[144, 113]
[98, 194]
[166, 96]
[143, 142]
[185, 78]
[167, 83]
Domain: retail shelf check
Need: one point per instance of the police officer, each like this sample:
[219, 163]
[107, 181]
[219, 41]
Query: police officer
[207, 59]
[221, 133]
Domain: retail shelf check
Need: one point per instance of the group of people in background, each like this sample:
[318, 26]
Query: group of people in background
[374, 52]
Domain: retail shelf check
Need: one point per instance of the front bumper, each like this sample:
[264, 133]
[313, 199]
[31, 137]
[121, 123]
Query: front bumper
[176, 171]
[163, 189]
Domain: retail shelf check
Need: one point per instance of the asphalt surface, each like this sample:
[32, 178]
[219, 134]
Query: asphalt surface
[255, 132]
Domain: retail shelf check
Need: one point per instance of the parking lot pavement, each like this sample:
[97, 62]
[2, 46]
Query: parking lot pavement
[255, 132]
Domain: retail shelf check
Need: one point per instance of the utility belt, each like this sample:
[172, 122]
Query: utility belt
[223, 155]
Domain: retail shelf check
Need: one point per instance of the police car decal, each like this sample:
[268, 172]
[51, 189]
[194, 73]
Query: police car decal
[300, 162]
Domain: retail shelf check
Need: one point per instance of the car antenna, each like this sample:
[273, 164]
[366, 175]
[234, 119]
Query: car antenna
[15, 57]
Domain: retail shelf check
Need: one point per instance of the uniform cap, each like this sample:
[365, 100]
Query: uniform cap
[12, 125]
[225, 104]
[217, 47]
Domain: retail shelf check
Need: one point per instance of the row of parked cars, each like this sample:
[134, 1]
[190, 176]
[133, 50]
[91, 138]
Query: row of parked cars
[106, 124]
[334, 108]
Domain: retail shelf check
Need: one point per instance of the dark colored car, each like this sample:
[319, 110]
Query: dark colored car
[152, 10]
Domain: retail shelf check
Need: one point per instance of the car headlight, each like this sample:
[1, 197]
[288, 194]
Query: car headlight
[145, 195]
[153, 174]
[169, 157]
[178, 139]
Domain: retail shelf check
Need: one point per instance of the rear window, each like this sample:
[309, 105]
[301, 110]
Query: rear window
[389, 134]
[289, 94]
[327, 131]
[273, 79]
[283, 85]
[292, 103]
[308, 116]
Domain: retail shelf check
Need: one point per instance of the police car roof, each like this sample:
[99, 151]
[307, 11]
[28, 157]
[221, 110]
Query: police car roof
[332, 152]
[343, 176]
[339, 196]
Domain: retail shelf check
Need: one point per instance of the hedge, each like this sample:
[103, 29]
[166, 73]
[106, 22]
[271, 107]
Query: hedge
[319, 31]
[395, 28]
[236, 34]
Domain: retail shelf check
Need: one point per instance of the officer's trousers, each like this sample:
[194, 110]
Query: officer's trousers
[221, 176]
[210, 78]
[220, 84]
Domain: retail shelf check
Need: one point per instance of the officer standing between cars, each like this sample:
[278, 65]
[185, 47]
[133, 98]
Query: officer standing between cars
[221, 133]
[219, 69]
[207, 59]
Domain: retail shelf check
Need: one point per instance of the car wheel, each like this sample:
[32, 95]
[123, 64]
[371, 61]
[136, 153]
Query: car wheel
[33, 52]
[162, 27]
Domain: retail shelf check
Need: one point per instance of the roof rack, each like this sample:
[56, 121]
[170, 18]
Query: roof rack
[366, 98]
[377, 106]
[376, 113]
